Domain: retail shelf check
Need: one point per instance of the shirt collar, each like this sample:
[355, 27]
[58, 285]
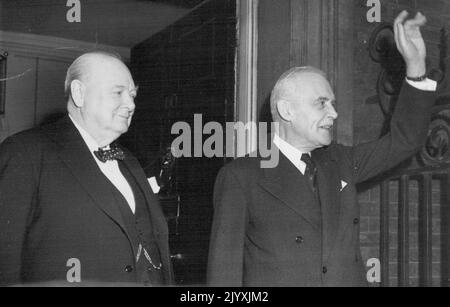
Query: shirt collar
[293, 154]
[88, 139]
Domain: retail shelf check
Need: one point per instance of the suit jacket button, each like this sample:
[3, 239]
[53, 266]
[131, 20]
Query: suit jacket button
[356, 221]
[324, 270]
[128, 269]
[299, 240]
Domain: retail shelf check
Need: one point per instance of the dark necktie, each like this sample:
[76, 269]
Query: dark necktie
[114, 153]
[310, 172]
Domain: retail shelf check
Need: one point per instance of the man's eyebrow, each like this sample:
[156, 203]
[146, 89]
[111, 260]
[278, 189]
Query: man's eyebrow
[123, 87]
[323, 98]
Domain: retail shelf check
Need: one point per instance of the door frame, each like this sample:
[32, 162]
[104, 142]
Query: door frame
[246, 106]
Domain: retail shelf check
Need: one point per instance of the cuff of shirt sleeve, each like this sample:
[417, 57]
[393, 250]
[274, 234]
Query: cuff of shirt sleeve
[425, 85]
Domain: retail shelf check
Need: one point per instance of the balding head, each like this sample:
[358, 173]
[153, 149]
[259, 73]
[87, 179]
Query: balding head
[289, 86]
[83, 66]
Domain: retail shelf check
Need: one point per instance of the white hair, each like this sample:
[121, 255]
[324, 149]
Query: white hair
[281, 87]
[79, 69]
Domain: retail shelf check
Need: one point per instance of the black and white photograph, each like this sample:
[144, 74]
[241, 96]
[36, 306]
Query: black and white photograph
[206, 146]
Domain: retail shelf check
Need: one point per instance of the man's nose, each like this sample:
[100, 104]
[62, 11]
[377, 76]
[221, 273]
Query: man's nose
[332, 112]
[129, 102]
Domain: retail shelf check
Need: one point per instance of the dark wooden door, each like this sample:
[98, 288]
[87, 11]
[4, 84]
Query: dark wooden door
[187, 69]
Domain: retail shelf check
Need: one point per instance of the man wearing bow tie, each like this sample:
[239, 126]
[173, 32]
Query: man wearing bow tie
[297, 224]
[74, 206]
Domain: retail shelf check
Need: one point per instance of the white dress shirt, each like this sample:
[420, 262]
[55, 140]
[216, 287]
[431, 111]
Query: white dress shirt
[110, 169]
[293, 154]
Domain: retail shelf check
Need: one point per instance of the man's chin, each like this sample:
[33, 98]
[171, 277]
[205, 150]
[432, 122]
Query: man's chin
[326, 142]
[121, 129]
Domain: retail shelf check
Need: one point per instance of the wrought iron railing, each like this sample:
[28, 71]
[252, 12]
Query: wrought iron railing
[424, 177]
[433, 165]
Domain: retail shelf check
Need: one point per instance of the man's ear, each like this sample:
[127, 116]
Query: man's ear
[284, 110]
[77, 90]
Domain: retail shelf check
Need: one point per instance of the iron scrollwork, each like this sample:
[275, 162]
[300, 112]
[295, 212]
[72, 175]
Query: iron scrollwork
[383, 50]
[437, 147]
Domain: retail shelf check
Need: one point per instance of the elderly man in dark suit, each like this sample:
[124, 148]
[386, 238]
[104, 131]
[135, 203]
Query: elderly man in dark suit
[297, 224]
[74, 206]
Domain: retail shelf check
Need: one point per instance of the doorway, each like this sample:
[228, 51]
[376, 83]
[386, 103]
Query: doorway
[187, 69]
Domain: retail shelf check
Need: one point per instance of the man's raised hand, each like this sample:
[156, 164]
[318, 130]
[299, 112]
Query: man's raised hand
[410, 43]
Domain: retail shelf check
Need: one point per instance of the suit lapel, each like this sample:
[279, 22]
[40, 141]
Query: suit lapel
[77, 157]
[329, 185]
[285, 182]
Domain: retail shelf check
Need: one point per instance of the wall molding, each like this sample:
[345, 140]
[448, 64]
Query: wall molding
[54, 48]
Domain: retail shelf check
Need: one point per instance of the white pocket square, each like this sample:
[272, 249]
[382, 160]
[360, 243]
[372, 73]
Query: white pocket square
[154, 185]
[343, 185]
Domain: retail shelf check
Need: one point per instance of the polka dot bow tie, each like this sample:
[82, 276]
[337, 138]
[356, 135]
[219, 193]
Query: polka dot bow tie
[115, 153]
